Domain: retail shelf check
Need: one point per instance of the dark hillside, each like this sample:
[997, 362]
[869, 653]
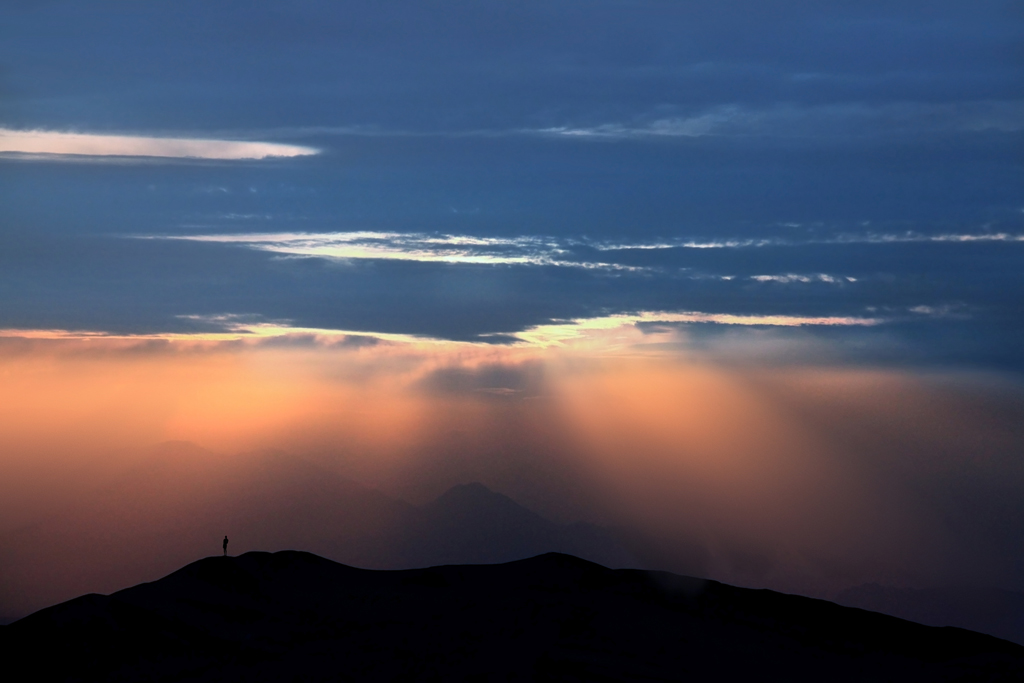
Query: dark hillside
[296, 616]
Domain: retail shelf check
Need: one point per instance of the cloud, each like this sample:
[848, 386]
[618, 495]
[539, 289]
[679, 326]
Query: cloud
[226, 328]
[839, 239]
[33, 142]
[607, 331]
[560, 333]
[793, 277]
[502, 304]
[838, 120]
[464, 249]
[496, 380]
[536, 250]
[691, 127]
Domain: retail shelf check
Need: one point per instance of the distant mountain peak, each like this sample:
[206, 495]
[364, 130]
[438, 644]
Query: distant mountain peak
[475, 499]
[473, 488]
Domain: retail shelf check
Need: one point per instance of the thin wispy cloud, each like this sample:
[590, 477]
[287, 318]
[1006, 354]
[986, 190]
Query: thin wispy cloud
[841, 119]
[34, 142]
[463, 249]
[249, 328]
[521, 250]
[787, 120]
[794, 277]
[229, 327]
[560, 333]
[848, 238]
[550, 251]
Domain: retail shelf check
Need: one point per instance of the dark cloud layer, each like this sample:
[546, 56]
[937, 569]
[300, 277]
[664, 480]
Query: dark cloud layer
[451, 64]
[830, 142]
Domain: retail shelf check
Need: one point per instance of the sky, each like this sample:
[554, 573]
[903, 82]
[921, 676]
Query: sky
[747, 275]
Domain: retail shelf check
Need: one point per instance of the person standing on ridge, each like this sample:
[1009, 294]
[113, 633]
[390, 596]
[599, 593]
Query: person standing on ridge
[225, 546]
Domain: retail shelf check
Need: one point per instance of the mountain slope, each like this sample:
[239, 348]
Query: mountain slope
[296, 616]
[180, 500]
[987, 610]
[175, 505]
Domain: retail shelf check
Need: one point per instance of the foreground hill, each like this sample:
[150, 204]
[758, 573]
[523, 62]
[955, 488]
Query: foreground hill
[297, 616]
[180, 500]
[987, 610]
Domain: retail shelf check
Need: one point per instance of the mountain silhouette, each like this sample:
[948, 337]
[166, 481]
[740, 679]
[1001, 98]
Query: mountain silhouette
[987, 610]
[470, 524]
[296, 616]
[163, 513]
[166, 510]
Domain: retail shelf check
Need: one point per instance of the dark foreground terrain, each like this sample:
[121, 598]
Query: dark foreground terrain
[999, 613]
[296, 616]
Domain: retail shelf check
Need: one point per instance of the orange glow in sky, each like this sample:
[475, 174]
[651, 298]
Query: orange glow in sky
[783, 476]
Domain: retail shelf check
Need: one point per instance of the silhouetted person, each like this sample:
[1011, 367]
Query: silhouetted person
[225, 546]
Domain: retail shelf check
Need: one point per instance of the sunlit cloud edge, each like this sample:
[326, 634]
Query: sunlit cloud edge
[51, 144]
[539, 251]
[234, 328]
[369, 245]
[560, 333]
